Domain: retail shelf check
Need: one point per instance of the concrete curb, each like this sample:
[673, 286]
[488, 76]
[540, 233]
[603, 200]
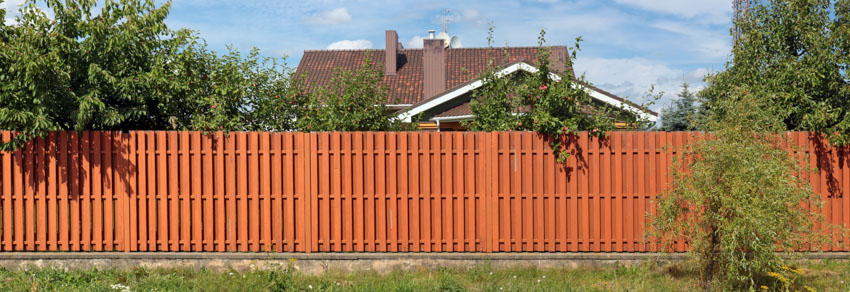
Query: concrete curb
[318, 263]
[586, 256]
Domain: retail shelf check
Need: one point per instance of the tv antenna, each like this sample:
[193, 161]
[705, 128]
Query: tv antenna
[446, 19]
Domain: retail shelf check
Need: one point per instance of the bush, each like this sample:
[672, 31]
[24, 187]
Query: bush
[738, 197]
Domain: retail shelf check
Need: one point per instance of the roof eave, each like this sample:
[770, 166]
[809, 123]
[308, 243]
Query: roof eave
[450, 94]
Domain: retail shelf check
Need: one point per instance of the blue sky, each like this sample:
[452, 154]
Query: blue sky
[628, 44]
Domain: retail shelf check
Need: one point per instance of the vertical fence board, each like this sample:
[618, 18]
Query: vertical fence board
[161, 154]
[144, 225]
[95, 196]
[108, 191]
[197, 178]
[173, 198]
[122, 179]
[39, 173]
[449, 193]
[153, 192]
[358, 211]
[8, 195]
[29, 215]
[230, 188]
[264, 199]
[346, 196]
[208, 168]
[404, 181]
[394, 212]
[218, 200]
[377, 145]
[133, 168]
[185, 192]
[277, 168]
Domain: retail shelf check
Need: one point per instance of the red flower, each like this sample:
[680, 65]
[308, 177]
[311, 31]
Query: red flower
[543, 87]
[214, 106]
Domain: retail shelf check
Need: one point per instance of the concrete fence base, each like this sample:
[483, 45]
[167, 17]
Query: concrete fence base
[319, 263]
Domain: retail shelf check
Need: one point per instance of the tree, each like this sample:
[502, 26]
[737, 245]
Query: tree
[795, 54]
[683, 114]
[555, 105]
[236, 93]
[354, 100]
[122, 68]
[81, 70]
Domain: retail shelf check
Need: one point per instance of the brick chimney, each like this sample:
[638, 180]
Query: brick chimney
[391, 56]
[434, 63]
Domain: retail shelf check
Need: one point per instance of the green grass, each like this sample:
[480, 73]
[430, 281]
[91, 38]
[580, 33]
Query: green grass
[821, 275]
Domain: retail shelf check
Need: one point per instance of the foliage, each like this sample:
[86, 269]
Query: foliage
[3, 28]
[555, 105]
[354, 100]
[794, 53]
[738, 196]
[122, 68]
[237, 93]
[683, 115]
[81, 70]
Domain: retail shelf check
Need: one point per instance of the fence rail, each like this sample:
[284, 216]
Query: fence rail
[357, 192]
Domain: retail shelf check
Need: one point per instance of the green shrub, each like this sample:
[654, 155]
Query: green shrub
[738, 196]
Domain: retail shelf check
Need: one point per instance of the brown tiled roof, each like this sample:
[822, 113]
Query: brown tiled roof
[406, 87]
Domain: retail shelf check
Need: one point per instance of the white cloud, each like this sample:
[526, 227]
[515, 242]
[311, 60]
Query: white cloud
[335, 16]
[714, 44]
[632, 77]
[351, 45]
[11, 7]
[415, 42]
[712, 11]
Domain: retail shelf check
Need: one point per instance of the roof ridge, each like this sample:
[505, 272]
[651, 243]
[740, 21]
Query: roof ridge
[419, 49]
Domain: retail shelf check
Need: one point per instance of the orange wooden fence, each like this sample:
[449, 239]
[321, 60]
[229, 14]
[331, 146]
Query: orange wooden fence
[363, 192]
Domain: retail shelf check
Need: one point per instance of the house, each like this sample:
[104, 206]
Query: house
[435, 82]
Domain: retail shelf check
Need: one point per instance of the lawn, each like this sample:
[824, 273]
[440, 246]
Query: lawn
[821, 275]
